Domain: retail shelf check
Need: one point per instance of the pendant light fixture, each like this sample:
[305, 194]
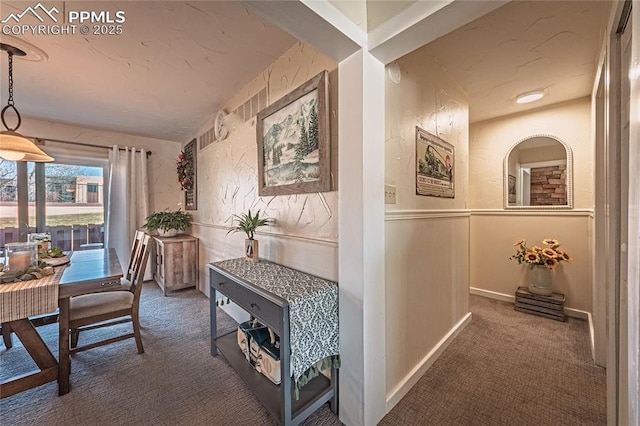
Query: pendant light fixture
[14, 146]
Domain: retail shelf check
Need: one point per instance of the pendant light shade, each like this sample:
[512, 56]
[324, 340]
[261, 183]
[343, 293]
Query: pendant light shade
[14, 146]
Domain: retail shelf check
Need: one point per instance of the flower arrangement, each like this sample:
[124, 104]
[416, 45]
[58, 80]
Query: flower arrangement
[550, 255]
[185, 171]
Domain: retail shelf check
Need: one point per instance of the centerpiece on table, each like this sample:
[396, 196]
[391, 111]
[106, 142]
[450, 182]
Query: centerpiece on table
[248, 224]
[541, 261]
[44, 241]
[22, 263]
[167, 223]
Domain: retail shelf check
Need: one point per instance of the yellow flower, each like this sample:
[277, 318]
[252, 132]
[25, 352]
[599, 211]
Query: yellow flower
[551, 242]
[549, 256]
[564, 256]
[532, 257]
[551, 262]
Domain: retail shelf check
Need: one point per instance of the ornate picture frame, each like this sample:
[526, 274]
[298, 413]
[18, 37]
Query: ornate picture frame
[191, 194]
[293, 141]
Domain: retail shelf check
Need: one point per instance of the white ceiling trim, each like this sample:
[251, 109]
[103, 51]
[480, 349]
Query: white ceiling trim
[423, 22]
[335, 17]
[404, 19]
[299, 20]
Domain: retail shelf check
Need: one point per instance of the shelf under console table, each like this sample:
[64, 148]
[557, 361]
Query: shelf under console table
[303, 310]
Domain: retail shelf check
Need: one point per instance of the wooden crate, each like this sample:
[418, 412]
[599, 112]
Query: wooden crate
[544, 306]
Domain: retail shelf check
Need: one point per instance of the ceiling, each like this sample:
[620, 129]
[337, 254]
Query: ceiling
[176, 63]
[521, 47]
[173, 66]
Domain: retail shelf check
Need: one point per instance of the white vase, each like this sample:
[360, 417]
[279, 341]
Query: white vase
[167, 233]
[540, 281]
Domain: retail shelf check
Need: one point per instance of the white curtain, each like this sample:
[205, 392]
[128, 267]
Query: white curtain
[128, 200]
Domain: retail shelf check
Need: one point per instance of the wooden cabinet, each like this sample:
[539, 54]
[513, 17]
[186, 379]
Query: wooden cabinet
[176, 262]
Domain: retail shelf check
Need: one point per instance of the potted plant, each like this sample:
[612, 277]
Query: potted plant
[248, 223]
[167, 223]
[541, 261]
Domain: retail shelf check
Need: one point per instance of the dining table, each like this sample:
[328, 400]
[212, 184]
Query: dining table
[87, 272]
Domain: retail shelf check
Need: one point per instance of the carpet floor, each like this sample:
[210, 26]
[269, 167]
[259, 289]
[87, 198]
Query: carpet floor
[509, 368]
[505, 368]
[175, 382]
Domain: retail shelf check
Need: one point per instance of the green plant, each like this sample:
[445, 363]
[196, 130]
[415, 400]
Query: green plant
[248, 223]
[167, 220]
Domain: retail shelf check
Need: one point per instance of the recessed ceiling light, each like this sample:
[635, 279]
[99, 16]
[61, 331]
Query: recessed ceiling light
[528, 97]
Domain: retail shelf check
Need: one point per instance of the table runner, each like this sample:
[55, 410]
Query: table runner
[29, 298]
[313, 309]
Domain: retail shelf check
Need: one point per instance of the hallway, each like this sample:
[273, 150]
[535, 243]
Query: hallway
[509, 368]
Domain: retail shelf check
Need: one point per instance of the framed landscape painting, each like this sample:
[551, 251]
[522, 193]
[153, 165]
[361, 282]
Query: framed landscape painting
[293, 141]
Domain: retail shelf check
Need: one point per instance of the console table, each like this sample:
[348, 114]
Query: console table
[303, 310]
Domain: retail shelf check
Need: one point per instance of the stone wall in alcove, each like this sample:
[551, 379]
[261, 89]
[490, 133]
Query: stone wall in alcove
[548, 186]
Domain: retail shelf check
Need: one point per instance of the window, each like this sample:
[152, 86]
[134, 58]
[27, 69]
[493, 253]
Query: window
[8, 203]
[65, 200]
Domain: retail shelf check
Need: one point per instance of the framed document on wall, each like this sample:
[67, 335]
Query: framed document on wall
[435, 165]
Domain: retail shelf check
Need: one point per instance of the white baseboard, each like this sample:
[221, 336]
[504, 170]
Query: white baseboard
[571, 312]
[492, 295]
[592, 334]
[418, 371]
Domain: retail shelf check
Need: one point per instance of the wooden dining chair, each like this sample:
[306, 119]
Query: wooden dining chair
[130, 272]
[97, 310]
[52, 318]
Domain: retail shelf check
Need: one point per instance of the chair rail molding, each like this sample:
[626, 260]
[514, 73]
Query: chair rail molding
[304, 238]
[524, 212]
[417, 214]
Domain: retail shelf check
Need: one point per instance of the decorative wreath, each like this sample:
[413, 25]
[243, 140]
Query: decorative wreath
[185, 171]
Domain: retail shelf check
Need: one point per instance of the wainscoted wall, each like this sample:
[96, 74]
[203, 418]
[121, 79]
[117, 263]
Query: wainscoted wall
[427, 238]
[427, 274]
[494, 230]
[304, 234]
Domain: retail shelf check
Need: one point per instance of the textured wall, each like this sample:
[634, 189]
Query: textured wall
[304, 233]
[164, 190]
[490, 140]
[496, 230]
[427, 238]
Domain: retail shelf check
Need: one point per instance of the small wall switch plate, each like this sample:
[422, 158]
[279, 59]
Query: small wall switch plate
[389, 194]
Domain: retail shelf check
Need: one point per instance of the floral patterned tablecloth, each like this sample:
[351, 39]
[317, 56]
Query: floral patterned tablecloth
[313, 309]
